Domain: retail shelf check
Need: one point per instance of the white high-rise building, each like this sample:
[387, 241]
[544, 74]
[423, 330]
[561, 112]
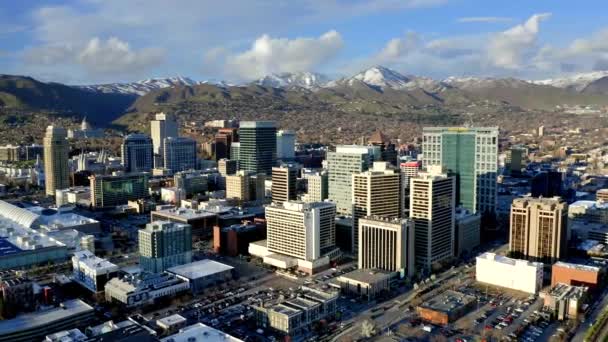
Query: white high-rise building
[164, 126]
[56, 150]
[376, 192]
[317, 185]
[432, 207]
[286, 144]
[300, 234]
[387, 244]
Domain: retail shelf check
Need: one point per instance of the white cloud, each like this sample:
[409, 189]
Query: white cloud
[115, 56]
[398, 47]
[508, 49]
[484, 20]
[274, 55]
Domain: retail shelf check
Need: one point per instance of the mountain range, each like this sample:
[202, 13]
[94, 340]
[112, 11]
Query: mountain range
[375, 92]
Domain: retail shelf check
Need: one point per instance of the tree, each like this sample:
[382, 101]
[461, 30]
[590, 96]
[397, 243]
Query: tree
[368, 329]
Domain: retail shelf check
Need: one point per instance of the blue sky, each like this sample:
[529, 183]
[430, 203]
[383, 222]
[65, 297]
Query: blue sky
[98, 41]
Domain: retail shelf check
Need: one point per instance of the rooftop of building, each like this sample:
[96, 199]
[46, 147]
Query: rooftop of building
[366, 276]
[462, 213]
[563, 291]
[461, 129]
[353, 149]
[172, 320]
[508, 261]
[301, 303]
[108, 326]
[200, 269]
[142, 281]
[93, 262]
[70, 308]
[448, 301]
[301, 206]
[589, 226]
[240, 227]
[545, 201]
[258, 124]
[285, 310]
[589, 205]
[200, 333]
[184, 213]
[59, 219]
[66, 336]
[589, 267]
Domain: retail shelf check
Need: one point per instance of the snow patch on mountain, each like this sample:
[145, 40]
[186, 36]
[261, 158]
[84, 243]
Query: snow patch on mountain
[141, 87]
[577, 82]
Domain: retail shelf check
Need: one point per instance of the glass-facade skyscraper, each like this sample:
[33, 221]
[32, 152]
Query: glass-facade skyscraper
[258, 146]
[137, 153]
[471, 155]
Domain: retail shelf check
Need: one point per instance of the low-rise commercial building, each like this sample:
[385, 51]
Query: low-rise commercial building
[234, 240]
[91, 271]
[202, 274]
[365, 283]
[17, 293]
[36, 325]
[200, 333]
[565, 300]
[515, 274]
[172, 323]
[292, 316]
[576, 274]
[75, 195]
[134, 290]
[446, 307]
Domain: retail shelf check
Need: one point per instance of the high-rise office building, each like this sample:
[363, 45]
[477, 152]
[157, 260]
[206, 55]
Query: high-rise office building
[387, 244]
[284, 183]
[235, 151]
[471, 155]
[515, 159]
[179, 154]
[164, 126]
[409, 170]
[317, 185]
[137, 153]
[376, 192]
[538, 228]
[602, 195]
[223, 141]
[432, 207]
[547, 184]
[286, 144]
[191, 182]
[164, 244]
[117, 189]
[258, 146]
[304, 231]
[227, 167]
[245, 186]
[341, 165]
[56, 150]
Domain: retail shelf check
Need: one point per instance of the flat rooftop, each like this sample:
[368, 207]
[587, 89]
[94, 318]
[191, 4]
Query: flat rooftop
[184, 213]
[75, 307]
[200, 269]
[92, 261]
[506, 260]
[366, 276]
[200, 333]
[581, 267]
[171, 320]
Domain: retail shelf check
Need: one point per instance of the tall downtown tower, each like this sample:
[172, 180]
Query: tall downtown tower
[471, 155]
[258, 146]
[56, 149]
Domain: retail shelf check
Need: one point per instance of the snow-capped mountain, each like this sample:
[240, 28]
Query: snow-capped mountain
[483, 82]
[141, 87]
[576, 82]
[385, 78]
[308, 80]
